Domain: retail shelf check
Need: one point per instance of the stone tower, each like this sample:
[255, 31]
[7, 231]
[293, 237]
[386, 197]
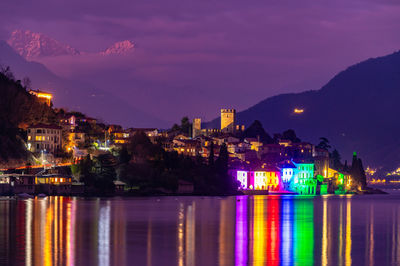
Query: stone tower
[228, 120]
[196, 128]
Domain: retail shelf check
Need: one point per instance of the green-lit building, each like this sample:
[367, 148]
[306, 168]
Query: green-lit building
[304, 181]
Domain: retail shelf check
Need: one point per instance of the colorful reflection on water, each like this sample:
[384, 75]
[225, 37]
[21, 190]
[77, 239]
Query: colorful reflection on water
[257, 230]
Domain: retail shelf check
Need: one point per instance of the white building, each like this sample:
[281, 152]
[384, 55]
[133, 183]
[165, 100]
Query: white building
[45, 138]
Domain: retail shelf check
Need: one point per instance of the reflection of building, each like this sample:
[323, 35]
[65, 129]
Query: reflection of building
[42, 96]
[228, 123]
[43, 137]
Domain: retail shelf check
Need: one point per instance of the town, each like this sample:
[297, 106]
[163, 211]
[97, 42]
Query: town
[255, 162]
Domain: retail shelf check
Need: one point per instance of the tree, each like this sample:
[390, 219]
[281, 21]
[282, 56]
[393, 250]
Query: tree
[336, 159]
[140, 146]
[124, 156]
[211, 155]
[222, 161]
[105, 172]
[357, 172]
[185, 126]
[85, 170]
[290, 134]
[225, 182]
[175, 127]
[26, 83]
[256, 130]
[6, 71]
[324, 144]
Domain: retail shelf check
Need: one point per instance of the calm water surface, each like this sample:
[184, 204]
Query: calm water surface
[259, 230]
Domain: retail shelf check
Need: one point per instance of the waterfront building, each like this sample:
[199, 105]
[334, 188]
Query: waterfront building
[46, 138]
[262, 179]
[321, 161]
[53, 184]
[44, 97]
[304, 181]
[287, 174]
[340, 180]
[228, 120]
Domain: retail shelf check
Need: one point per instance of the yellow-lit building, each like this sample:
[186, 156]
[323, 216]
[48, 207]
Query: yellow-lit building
[45, 138]
[43, 96]
[196, 131]
[228, 120]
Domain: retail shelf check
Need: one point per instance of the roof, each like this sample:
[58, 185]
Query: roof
[45, 126]
[287, 164]
[39, 91]
[143, 129]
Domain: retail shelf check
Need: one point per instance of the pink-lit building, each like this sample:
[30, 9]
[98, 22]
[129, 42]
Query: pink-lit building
[262, 179]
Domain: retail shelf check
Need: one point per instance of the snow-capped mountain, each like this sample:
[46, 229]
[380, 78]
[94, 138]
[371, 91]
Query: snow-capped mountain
[120, 48]
[32, 45]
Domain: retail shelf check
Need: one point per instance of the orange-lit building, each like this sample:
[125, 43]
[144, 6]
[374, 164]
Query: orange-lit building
[43, 96]
[54, 184]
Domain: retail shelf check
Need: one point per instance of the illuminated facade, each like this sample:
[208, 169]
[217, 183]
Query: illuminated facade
[243, 179]
[259, 180]
[43, 96]
[287, 174]
[45, 138]
[304, 182]
[196, 130]
[228, 120]
[341, 180]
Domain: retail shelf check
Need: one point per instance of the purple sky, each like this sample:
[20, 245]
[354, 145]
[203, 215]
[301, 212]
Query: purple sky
[194, 57]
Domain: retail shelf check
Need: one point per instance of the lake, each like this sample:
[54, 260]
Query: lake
[257, 230]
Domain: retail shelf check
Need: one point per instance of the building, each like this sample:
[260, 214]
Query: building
[228, 120]
[263, 179]
[46, 138]
[287, 174]
[304, 181]
[68, 122]
[196, 127]
[75, 139]
[42, 96]
[321, 161]
[54, 184]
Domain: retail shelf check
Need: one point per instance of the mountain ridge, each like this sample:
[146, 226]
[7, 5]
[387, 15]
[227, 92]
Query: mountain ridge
[32, 45]
[356, 110]
[77, 95]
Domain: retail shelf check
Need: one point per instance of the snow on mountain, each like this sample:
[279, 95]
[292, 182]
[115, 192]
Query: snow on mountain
[119, 48]
[32, 45]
